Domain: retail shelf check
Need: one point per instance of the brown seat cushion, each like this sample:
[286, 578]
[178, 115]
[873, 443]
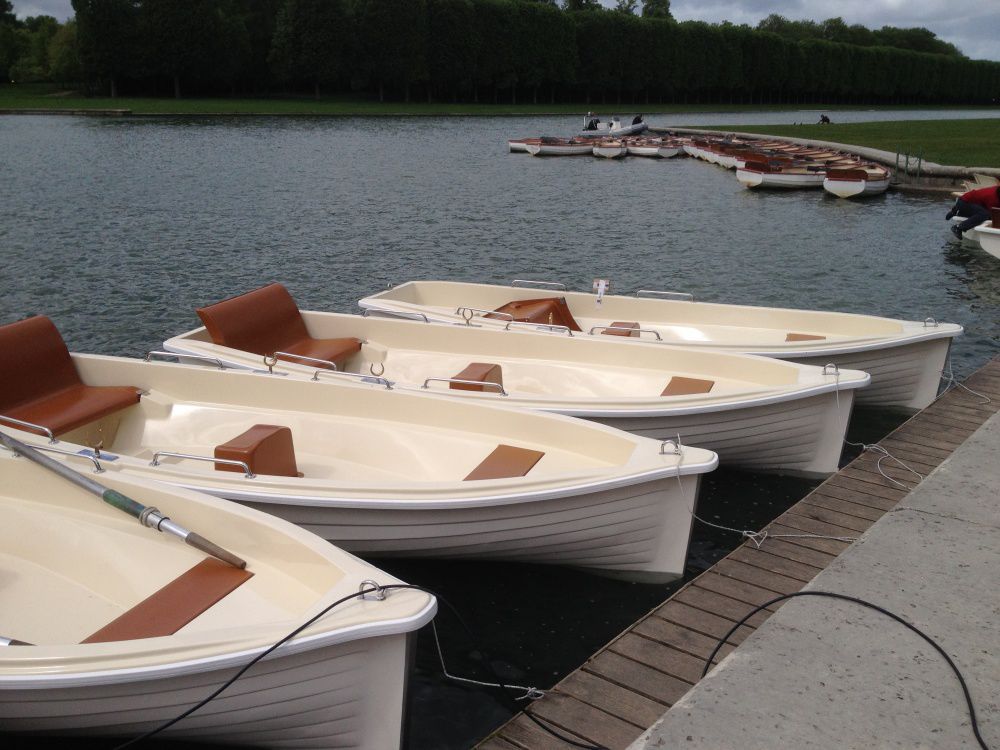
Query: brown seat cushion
[175, 605]
[41, 384]
[265, 448]
[615, 326]
[484, 372]
[505, 461]
[75, 406]
[547, 311]
[803, 337]
[266, 321]
[681, 386]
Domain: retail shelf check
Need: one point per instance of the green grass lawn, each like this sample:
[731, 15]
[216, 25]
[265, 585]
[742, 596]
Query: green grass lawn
[48, 96]
[969, 143]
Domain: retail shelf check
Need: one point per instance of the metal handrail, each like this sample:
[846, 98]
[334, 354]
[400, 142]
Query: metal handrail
[529, 282]
[472, 310]
[547, 326]
[396, 314]
[930, 323]
[209, 459]
[484, 383]
[682, 296]
[623, 328]
[270, 360]
[32, 425]
[178, 355]
[366, 378]
[98, 469]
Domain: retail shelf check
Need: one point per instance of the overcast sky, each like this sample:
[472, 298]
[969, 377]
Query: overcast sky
[971, 25]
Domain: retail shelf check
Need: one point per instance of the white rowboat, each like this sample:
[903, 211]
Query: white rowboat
[116, 652]
[904, 358]
[856, 181]
[375, 470]
[610, 149]
[756, 413]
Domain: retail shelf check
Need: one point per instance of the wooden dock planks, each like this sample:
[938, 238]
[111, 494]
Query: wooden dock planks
[627, 685]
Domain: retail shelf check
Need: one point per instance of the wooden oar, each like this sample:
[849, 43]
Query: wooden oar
[147, 515]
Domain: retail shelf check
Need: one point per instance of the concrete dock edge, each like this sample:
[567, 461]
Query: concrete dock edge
[823, 674]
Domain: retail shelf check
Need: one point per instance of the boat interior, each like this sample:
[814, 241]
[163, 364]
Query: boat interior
[123, 581]
[362, 437]
[495, 365]
[644, 317]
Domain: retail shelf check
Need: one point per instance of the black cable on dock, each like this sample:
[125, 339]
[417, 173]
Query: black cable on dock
[877, 608]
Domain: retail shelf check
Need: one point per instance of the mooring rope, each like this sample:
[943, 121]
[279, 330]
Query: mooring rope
[757, 537]
[952, 382]
[530, 693]
[881, 451]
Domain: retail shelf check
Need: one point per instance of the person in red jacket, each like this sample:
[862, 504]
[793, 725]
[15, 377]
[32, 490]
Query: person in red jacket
[975, 207]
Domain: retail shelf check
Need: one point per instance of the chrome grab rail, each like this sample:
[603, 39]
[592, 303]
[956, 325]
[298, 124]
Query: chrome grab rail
[473, 310]
[546, 326]
[623, 328]
[930, 323]
[547, 284]
[682, 296]
[32, 425]
[210, 459]
[98, 469]
[270, 360]
[396, 314]
[367, 378]
[177, 355]
[484, 383]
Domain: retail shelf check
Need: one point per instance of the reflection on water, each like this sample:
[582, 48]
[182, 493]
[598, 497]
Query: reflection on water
[119, 229]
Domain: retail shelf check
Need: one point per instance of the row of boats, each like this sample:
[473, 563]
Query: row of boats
[453, 420]
[759, 163]
[607, 148]
[781, 165]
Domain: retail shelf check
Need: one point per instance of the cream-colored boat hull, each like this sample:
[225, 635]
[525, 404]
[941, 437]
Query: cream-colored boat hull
[343, 696]
[905, 358]
[397, 461]
[804, 438]
[989, 239]
[751, 178]
[71, 564]
[591, 379]
[638, 534]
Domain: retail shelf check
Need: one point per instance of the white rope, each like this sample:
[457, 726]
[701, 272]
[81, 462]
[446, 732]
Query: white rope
[757, 537]
[949, 378]
[530, 693]
[879, 450]
[883, 454]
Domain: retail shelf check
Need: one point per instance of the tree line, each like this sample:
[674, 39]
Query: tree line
[482, 51]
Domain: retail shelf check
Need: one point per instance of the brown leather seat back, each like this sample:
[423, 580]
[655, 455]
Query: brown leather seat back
[547, 311]
[34, 362]
[263, 321]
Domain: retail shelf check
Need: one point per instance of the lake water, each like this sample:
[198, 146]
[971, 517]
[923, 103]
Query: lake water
[118, 229]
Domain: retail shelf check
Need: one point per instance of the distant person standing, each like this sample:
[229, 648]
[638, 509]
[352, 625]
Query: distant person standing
[975, 207]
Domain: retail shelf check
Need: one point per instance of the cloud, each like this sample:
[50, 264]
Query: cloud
[59, 9]
[968, 24]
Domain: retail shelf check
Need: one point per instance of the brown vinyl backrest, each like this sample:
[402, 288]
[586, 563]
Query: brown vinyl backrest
[847, 174]
[547, 311]
[34, 362]
[263, 321]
